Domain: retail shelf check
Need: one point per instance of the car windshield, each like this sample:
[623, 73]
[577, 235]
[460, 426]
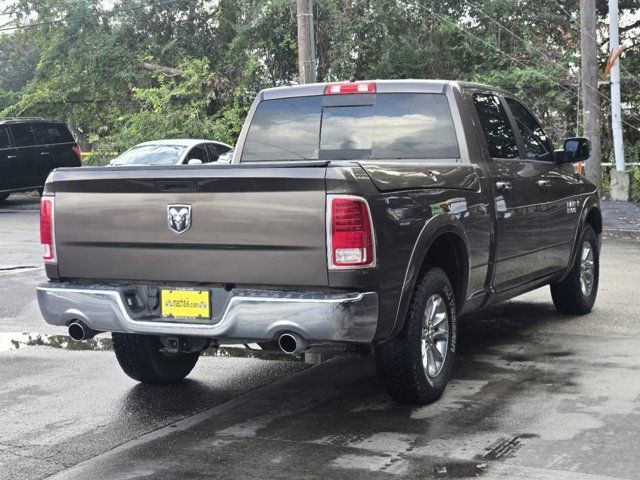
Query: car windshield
[150, 155]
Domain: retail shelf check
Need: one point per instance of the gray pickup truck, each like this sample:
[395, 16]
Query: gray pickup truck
[357, 215]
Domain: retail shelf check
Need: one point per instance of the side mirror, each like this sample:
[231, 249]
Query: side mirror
[576, 149]
[194, 161]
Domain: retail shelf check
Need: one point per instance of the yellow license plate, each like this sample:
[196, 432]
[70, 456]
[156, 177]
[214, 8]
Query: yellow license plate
[186, 304]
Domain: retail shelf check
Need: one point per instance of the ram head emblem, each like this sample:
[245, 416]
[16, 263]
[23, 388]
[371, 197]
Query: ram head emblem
[179, 218]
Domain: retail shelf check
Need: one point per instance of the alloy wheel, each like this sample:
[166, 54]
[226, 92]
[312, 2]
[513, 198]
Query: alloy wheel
[435, 335]
[587, 269]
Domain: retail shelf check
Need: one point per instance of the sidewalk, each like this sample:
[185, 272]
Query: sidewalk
[621, 219]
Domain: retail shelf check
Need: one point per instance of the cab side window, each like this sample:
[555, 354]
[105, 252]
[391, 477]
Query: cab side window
[23, 135]
[536, 142]
[496, 127]
[4, 138]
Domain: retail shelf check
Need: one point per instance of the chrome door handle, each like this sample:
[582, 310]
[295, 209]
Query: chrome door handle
[44, 153]
[503, 186]
[11, 156]
[544, 183]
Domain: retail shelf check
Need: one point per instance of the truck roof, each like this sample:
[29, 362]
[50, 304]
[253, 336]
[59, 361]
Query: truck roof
[382, 86]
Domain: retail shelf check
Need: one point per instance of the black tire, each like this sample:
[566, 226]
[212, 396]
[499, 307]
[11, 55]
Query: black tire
[568, 295]
[140, 358]
[4, 196]
[399, 361]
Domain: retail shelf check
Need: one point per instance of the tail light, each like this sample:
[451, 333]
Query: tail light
[76, 150]
[351, 87]
[350, 242]
[47, 236]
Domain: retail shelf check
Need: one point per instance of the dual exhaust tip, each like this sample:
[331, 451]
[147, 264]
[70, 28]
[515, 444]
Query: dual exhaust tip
[288, 342]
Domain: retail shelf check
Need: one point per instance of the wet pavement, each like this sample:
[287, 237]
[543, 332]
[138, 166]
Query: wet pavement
[621, 219]
[19, 216]
[534, 395]
[520, 406]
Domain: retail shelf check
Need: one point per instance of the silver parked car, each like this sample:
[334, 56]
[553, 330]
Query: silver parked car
[173, 152]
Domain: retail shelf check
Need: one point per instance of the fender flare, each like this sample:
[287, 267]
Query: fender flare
[434, 227]
[592, 203]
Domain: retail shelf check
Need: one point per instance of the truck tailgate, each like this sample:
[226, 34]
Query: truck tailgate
[249, 224]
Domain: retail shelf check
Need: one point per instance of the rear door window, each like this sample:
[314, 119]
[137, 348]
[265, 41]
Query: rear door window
[495, 126]
[52, 133]
[4, 138]
[536, 143]
[388, 126]
[23, 135]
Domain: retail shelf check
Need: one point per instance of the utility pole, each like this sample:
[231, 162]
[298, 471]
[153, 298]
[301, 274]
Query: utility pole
[307, 74]
[619, 178]
[306, 42]
[590, 95]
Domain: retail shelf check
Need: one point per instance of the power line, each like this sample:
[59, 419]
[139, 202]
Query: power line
[513, 34]
[541, 53]
[635, 79]
[565, 11]
[620, 63]
[493, 47]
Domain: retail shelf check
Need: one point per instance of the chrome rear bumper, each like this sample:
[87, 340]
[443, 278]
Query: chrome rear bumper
[252, 315]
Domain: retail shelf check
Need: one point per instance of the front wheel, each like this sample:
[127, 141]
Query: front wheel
[576, 294]
[417, 365]
[140, 358]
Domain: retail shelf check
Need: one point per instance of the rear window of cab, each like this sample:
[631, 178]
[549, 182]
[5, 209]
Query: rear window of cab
[363, 127]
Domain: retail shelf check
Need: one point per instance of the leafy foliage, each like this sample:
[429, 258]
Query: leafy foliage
[135, 70]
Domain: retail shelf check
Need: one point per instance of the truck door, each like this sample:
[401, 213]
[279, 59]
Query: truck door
[516, 193]
[8, 159]
[558, 188]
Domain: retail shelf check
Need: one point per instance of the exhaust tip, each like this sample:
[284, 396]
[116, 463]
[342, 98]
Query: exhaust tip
[79, 331]
[76, 331]
[291, 343]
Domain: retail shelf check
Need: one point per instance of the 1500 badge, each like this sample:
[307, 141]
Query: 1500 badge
[572, 206]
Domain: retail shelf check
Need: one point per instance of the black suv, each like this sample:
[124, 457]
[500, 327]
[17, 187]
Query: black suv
[30, 148]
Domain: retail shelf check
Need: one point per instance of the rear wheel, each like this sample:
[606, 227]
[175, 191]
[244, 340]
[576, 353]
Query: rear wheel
[576, 294]
[417, 365]
[4, 196]
[140, 358]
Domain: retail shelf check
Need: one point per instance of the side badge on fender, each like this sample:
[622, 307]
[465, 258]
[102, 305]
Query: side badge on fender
[572, 206]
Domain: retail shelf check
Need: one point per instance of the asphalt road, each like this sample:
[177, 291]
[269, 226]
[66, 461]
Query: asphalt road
[534, 395]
